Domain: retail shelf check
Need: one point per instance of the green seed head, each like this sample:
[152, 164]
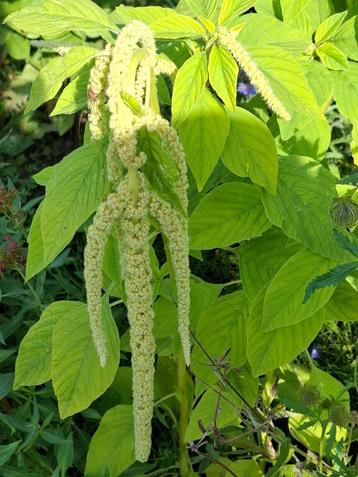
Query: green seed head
[344, 212]
[339, 416]
[309, 395]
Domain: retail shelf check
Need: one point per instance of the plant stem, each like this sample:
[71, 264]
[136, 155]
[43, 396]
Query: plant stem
[184, 415]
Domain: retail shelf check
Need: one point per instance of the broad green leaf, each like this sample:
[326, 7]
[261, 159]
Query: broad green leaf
[203, 147]
[165, 327]
[33, 363]
[111, 449]
[354, 144]
[230, 213]
[269, 7]
[343, 305]
[230, 8]
[306, 15]
[301, 208]
[245, 467]
[283, 304]
[43, 177]
[329, 27]
[74, 97]
[332, 57]
[247, 156]
[346, 91]
[124, 14]
[287, 79]
[49, 80]
[267, 30]
[260, 259]
[35, 261]
[205, 414]
[17, 46]
[56, 18]
[188, 87]
[112, 268]
[271, 349]
[346, 38]
[72, 195]
[223, 74]
[221, 328]
[177, 26]
[205, 9]
[77, 377]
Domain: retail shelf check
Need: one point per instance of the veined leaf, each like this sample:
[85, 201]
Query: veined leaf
[56, 18]
[223, 74]
[202, 147]
[271, 349]
[124, 14]
[346, 38]
[261, 258]
[111, 450]
[177, 26]
[345, 243]
[205, 9]
[230, 8]
[306, 15]
[72, 195]
[33, 363]
[188, 87]
[74, 97]
[332, 278]
[301, 209]
[78, 379]
[35, 261]
[329, 27]
[283, 301]
[228, 214]
[245, 156]
[332, 57]
[346, 91]
[343, 305]
[49, 80]
[220, 328]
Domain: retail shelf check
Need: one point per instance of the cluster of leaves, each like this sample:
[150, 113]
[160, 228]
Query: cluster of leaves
[261, 188]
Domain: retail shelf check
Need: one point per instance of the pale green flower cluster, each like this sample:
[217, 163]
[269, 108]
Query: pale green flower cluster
[229, 41]
[128, 76]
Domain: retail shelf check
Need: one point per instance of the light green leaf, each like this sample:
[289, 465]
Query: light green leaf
[230, 8]
[346, 38]
[260, 259]
[17, 46]
[306, 15]
[111, 268]
[72, 195]
[77, 377]
[202, 147]
[188, 87]
[271, 349]
[35, 261]
[329, 27]
[111, 450]
[33, 363]
[43, 177]
[245, 156]
[223, 74]
[74, 97]
[301, 208]
[177, 26]
[343, 305]
[284, 298]
[346, 91]
[220, 328]
[124, 14]
[245, 467]
[205, 9]
[49, 80]
[205, 413]
[267, 30]
[230, 213]
[57, 18]
[287, 79]
[332, 57]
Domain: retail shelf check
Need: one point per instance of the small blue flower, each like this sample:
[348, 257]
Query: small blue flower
[314, 352]
[246, 89]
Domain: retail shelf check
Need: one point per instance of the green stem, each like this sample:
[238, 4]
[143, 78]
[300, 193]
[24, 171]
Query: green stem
[184, 415]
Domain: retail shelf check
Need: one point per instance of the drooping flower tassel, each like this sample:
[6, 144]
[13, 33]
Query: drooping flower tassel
[107, 214]
[137, 275]
[228, 40]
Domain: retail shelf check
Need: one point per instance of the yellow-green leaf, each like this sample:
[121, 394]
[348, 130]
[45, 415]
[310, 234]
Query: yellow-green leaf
[332, 57]
[329, 27]
[343, 305]
[223, 73]
[231, 8]
[74, 97]
[177, 26]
